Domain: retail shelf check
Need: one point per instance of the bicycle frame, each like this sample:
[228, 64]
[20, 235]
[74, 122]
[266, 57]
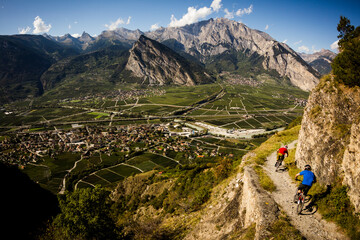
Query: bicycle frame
[300, 202]
[300, 199]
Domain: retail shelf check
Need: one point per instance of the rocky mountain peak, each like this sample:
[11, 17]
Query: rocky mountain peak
[213, 37]
[157, 64]
[85, 37]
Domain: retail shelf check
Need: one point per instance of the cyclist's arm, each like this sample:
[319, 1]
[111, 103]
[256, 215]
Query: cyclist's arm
[315, 180]
[298, 174]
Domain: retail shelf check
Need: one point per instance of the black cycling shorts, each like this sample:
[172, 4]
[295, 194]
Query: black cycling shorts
[304, 188]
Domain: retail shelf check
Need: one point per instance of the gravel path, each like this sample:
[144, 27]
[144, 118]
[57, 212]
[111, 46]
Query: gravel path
[310, 224]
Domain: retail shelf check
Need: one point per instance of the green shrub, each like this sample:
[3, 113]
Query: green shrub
[265, 180]
[334, 204]
[282, 229]
[295, 122]
[85, 214]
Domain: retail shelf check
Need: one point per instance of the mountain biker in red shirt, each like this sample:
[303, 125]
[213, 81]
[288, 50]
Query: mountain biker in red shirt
[281, 153]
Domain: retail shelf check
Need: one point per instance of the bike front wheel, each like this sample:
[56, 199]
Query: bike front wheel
[300, 206]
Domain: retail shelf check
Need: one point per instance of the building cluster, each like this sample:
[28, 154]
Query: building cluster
[120, 95]
[31, 147]
[235, 79]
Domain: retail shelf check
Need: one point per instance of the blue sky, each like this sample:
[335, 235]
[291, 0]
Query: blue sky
[306, 26]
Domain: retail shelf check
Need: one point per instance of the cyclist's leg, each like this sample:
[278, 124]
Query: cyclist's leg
[306, 189]
[300, 187]
[278, 159]
[281, 159]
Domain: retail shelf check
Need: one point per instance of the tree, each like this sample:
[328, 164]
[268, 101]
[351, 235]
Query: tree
[346, 65]
[345, 30]
[85, 214]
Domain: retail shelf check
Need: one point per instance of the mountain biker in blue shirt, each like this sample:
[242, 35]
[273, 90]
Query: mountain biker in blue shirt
[308, 180]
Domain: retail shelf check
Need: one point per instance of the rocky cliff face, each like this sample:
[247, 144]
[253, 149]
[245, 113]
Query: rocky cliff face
[243, 204]
[213, 37]
[157, 64]
[329, 138]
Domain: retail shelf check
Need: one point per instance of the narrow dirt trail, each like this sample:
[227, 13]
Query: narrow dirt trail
[310, 224]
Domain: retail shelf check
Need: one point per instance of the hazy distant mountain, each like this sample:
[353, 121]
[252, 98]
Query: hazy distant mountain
[81, 43]
[122, 34]
[86, 38]
[320, 61]
[86, 71]
[157, 64]
[23, 58]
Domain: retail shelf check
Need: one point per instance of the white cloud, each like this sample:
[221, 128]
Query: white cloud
[298, 42]
[216, 5]
[335, 46]
[128, 21]
[314, 50]
[69, 26]
[193, 15]
[76, 35]
[40, 26]
[304, 49]
[244, 11]
[229, 15]
[266, 27]
[114, 25]
[154, 27]
[285, 41]
[76, 22]
[24, 30]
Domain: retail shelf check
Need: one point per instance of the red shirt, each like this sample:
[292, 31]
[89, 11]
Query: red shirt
[283, 151]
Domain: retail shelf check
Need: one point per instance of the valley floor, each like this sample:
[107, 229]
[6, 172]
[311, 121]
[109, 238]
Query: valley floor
[310, 224]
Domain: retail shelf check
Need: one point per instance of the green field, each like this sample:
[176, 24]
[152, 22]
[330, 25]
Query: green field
[124, 170]
[111, 175]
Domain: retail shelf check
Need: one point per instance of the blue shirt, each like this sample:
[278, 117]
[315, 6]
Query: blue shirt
[309, 177]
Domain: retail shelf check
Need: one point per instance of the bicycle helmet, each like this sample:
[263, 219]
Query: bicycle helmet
[307, 167]
[286, 146]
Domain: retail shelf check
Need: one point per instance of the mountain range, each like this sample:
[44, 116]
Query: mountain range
[34, 64]
[321, 61]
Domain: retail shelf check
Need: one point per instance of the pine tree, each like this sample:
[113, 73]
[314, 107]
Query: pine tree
[346, 65]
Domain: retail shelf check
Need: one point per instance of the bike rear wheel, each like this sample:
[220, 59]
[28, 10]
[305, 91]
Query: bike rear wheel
[277, 165]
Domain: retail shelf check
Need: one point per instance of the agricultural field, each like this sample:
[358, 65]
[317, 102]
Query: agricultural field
[268, 105]
[222, 106]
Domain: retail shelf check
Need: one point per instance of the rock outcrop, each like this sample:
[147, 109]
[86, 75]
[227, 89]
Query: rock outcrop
[157, 64]
[213, 37]
[243, 205]
[329, 138]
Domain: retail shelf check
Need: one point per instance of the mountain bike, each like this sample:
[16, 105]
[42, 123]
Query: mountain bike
[278, 162]
[299, 198]
[277, 165]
